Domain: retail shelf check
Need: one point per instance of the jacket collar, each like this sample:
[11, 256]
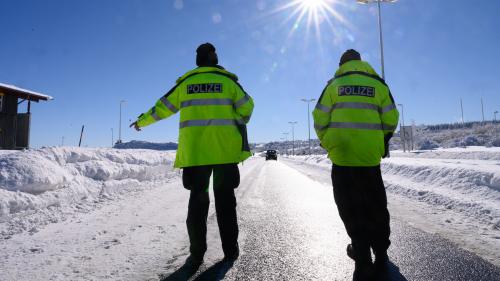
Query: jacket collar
[355, 65]
[205, 69]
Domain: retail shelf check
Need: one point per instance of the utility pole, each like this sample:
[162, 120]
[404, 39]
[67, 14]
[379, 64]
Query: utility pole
[293, 136]
[286, 140]
[402, 128]
[308, 101]
[462, 109]
[379, 28]
[81, 136]
[120, 123]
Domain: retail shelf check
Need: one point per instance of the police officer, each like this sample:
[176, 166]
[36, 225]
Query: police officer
[354, 119]
[214, 110]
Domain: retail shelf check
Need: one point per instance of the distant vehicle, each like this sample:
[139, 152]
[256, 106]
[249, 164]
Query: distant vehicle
[271, 155]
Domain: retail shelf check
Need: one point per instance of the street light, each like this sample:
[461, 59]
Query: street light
[293, 136]
[482, 109]
[120, 123]
[402, 130]
[308, 121]
[379, 28]
[286, 140]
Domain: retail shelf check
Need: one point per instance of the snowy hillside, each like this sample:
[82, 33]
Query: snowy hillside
[134, 144]
[453, 191]
[453, 135]
[41, 186]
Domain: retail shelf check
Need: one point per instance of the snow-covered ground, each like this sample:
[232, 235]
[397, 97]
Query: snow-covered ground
[93, 214]
[42, 186]
[454, 192]
[97, 214]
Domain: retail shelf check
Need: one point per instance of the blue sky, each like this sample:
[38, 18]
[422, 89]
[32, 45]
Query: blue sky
[91, 54]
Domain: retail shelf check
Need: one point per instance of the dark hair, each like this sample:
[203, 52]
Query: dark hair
[349, 55]
[206, 55]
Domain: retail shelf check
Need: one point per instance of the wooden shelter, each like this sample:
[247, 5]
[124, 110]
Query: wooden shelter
[15, 126]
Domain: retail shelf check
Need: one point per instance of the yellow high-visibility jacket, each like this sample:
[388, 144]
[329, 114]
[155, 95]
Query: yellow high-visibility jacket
[354, 112]
[214, 110]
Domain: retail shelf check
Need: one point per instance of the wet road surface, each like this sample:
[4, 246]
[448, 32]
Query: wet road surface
[290, 230]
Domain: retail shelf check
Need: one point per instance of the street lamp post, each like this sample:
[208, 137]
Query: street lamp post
[379, 28]
[482, 109]
[120, 123]
[286, 140]
[309, 121]
[402, 130]
[293, 136]
[495, 122]
[462, 111]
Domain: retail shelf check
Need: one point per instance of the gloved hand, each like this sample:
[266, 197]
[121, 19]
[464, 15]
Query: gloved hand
[387, 138]
[135, 126]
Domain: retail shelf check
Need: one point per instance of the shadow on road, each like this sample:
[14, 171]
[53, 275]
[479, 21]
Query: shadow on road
[392, 274]
[215, 272]
[186, 271]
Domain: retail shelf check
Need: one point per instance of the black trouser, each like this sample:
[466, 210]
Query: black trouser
[226, 177]
[362, 203]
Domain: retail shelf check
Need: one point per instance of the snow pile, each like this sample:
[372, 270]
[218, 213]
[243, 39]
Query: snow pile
[35, 182]
[146, 145]
[460, 185]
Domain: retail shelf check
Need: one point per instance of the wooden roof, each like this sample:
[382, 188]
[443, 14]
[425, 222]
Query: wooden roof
[23, 93]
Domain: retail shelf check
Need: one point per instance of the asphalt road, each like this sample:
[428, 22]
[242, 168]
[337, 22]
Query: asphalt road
[290, 230]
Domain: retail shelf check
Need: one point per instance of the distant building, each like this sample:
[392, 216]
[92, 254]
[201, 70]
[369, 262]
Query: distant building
[15, 126]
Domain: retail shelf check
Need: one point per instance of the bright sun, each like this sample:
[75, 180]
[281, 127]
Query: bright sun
[314, 13]
[313, 4]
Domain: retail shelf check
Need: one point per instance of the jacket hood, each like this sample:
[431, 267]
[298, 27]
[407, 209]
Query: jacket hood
[356, 65]
[205, 69]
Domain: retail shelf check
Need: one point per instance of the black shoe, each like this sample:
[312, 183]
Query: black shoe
[193, 261]
[363, 271]
[233, 256]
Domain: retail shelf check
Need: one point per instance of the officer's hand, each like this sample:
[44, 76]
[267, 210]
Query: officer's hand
[135, 126]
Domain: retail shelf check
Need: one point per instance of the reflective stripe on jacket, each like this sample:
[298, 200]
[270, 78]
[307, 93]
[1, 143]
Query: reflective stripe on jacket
[214, 110]
[352, 115]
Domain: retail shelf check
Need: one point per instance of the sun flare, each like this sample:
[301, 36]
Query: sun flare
[313, 4]
[313, 14]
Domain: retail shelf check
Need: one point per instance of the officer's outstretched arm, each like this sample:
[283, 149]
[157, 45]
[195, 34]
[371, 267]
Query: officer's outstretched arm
[243, 103]
[165, 107]
[322, 114]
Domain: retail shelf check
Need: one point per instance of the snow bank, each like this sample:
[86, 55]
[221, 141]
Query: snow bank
[37, 180]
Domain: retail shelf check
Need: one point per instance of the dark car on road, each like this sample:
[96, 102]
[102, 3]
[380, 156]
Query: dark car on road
[271, 155]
